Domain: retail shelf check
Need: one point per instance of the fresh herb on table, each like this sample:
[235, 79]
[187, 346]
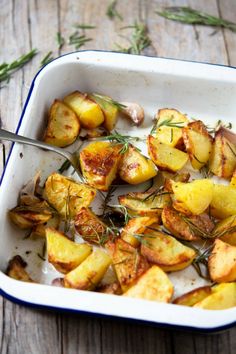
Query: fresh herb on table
[6, 70]
[78, 40]
[112, 11]
[84, 26]
[47, 59]
[60, 40]
[139, 39]
[188, 15]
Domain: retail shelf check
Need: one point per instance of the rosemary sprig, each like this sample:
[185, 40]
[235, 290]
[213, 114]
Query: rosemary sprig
[107, 199]
[213, 130]
[124, 140]
[191, 16]
[84, 26]
[112, 11]
[123, 210]
[47, 59]
[78, 40]
[167, 123]
[6, 70]
[60, 40]
[109, 100]
[156, 193]
[139, 39]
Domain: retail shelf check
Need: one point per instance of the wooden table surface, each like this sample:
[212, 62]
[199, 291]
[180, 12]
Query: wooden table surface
[27, 24]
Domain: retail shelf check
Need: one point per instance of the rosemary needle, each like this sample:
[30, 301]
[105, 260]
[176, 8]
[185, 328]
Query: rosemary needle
[112, 11]
[47, 59]
[84, 26]
[60, 40]
[78, 40]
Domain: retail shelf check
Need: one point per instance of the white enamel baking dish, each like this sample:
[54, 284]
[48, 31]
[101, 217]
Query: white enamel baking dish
[200, 90]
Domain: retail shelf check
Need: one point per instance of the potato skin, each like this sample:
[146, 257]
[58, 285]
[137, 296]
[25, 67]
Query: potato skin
[223, 202]
[16, 269]
[222, 262]
[192, 297]
[63, 125]
[153, 285]
[223, 297]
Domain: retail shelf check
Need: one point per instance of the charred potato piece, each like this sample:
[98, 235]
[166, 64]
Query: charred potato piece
[223, 203]
[16, 269]
[63, 253]
[99, 163]
[127, 261]
[223, 297]
[193, 197]
[178, 177]
[189, 229]
[164, 156]
[67, 196]
[165, 251]
[153, 285]
[223, 156]
[109, 109]
[226, 230]
[89, 226]
[89, 112]
[63, 125]
[145, 204]
[134, 168]
[222, 262]
[89, 273]
[193, 297]
[170, 135]
[135, 227]
[198, 143]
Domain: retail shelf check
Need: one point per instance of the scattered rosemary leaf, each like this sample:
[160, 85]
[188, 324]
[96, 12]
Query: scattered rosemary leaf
[78, 40]
[60, 40]
[188, 15]
[119, 105]
[84, 26]
[112, 11]
[6, 70]
[47, 59]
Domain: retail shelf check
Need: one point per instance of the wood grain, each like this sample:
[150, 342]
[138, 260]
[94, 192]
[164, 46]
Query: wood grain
[33, 23]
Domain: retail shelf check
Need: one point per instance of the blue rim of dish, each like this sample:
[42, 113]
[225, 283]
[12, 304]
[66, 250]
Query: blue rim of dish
[40, 306]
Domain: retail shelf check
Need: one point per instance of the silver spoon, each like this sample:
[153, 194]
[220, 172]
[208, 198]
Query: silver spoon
[72, 158]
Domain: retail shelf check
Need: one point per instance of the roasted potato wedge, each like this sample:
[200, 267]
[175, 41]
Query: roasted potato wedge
[193, 197]
[166, 134]
[223, 203]
[164, 156]
[145, 204]
[136, 227]
[63, 125]
[134, 168]
[89, 226]
[68, 196]
[223, 156]
[89, 112]
[109, 109]
[99, 163]
[16, 269]
[225, 230]
[189, 229]
[198, 143]
[127, 261]
[89, 273]
[63, 253]
[222, 262]
[153, 285]
[193, 297]
[223, 297]
[166, 251]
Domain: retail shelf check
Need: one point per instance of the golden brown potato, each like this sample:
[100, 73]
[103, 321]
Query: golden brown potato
[40, 230]
[223, 297]
[166, 251]
[189, 229]
[145, 204]
[177, 177]
[63, 125]
[63, 253]
[164, 156]
[99, 163]
[136, 227]
[127, 261]
[166, 134]
[16, 269]
[222, 262]
[109, 109]
[153, 285]
[193, 297]
[89, 273]
[89, 112]
[89, 226]
[198, 143]
[134, 168]
[193, 197]
[223, 156]
[68, 196]
[223, 203]
[226, 230]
